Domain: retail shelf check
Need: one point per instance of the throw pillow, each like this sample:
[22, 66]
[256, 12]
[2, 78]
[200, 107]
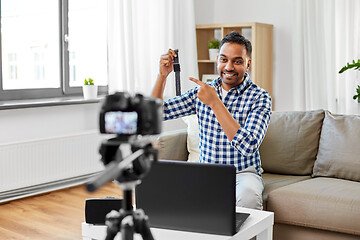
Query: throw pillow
[291, 142]
[192, 138]
[339, 150]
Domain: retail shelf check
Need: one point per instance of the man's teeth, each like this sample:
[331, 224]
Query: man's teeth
[229, 74]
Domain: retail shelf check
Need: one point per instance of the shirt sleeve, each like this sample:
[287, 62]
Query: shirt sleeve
[249, 137]
[181, 106]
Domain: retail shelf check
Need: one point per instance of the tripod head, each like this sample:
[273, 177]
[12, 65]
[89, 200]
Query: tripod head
[127, 159]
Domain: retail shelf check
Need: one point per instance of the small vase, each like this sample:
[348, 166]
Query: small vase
[89, 91]
[213, 53]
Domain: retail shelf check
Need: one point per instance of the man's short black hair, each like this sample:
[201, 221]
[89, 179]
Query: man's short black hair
[235, 37]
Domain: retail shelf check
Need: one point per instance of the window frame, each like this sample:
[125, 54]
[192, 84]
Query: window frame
[64, 90]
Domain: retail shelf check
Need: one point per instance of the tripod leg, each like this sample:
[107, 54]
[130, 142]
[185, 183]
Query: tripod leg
[113, 224]
[142, 224]
[127, 228]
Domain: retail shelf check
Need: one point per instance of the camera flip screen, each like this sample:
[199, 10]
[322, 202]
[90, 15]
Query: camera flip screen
[121, 122]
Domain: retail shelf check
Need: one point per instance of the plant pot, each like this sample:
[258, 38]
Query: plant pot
[89, 91]
[213, 53]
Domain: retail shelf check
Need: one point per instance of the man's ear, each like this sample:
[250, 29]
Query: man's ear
[248, 64]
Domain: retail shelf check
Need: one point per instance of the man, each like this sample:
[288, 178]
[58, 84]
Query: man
[233, 114]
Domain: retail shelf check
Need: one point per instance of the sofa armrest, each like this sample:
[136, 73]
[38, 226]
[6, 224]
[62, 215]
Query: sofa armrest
[173, 145]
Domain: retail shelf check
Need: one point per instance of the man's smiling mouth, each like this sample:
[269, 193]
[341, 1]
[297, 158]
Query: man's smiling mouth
[229, 74]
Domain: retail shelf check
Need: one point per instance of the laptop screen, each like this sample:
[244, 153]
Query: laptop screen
[189, 196]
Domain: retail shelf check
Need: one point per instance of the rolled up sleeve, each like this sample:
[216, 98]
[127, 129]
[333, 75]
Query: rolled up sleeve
[249, 137]
[180, 106]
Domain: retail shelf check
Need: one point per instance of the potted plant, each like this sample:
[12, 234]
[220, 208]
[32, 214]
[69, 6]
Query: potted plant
[213, 46]
[356, 66]
[89, 89]
[357, 96]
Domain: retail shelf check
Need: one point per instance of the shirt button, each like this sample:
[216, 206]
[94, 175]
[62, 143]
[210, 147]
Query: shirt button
[218, 130]
[217, 149]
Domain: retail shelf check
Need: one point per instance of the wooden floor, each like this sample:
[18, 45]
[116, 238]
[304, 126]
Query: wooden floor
[55, 215]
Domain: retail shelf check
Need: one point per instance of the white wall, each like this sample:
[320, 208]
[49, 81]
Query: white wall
[276, 12]
[19, 125]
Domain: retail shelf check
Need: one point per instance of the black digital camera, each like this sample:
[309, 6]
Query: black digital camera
[127, 115]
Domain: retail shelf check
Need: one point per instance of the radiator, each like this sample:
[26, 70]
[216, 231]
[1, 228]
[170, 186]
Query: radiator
[33, 167]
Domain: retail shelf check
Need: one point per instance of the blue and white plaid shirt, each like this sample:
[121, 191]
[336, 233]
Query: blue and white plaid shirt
[249, 104]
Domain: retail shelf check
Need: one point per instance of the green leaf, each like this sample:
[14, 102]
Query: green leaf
[213, 44]
[355, 65]
[91, 81]
[343, 69]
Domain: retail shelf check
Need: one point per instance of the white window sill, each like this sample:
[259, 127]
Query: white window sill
[18, 104]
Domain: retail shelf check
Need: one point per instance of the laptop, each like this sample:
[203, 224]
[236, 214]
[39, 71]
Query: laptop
[188, 196]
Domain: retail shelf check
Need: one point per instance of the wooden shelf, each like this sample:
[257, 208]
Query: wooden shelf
[206, 61]
[261, 37]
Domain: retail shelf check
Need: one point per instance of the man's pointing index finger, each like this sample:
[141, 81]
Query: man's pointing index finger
[198, 82]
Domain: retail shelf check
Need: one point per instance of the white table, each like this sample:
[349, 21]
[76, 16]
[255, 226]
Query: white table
[259, 224]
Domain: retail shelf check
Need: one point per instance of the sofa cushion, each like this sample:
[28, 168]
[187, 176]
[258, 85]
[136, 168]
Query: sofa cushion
[193, 139]
[172, 145]
[323, 203]
[291, 142]
[274, 181]
[339, 149]
[286, 232]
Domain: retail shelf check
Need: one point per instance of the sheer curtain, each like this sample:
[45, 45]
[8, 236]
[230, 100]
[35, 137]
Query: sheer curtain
[139, 32]
[326, 37]
[347, 35]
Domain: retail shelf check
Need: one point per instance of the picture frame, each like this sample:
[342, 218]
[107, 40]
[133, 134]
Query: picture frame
[209, 77]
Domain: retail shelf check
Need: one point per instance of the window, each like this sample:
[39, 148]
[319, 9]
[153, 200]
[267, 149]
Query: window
[48, 47]
[12, 69]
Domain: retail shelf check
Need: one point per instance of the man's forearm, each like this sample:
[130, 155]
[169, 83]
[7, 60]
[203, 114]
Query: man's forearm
[226, 120]
[159, 87]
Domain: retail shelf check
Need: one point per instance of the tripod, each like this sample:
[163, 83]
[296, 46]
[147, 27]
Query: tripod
[127, 221]
[127, 172]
